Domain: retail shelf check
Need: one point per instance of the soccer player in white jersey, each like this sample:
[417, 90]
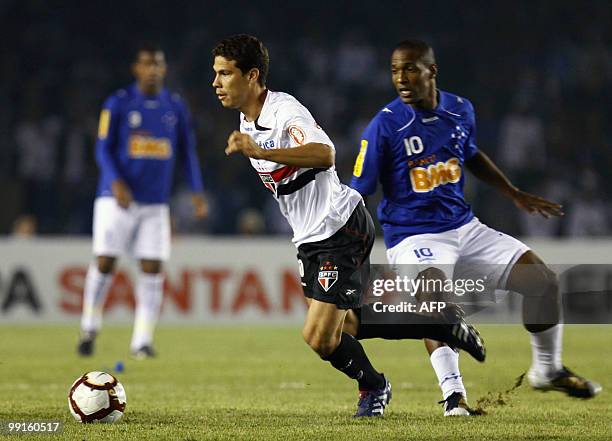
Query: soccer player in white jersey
[333, 231]
[143, 130]
[417, 146]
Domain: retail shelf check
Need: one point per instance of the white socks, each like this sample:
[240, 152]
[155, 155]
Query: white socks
[149, 296]
[96, 288]
[546, 350]
[445, 362]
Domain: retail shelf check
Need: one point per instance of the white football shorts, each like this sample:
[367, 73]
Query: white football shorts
[142, 230]
[473, 250]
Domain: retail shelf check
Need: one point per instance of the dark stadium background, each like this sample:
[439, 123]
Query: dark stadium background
[538, 72]
[232, 363]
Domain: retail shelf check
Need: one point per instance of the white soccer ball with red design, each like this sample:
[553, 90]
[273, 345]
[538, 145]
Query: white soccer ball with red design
[97, 397]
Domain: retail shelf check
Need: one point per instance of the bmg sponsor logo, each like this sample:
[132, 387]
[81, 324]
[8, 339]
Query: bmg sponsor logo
[149, 147]
[425, 179]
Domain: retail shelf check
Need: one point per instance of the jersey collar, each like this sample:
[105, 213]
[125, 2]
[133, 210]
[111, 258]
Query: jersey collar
[440, 108]
[442, 102]
[265, 120]
[139, 93]
[255, 123]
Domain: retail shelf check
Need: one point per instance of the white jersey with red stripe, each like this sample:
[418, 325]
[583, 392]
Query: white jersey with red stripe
[313, 200]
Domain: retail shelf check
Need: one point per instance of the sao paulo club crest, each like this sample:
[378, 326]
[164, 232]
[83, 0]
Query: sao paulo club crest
[268, 181]
[328, 275]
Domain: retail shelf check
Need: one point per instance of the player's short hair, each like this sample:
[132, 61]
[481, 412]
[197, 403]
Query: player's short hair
[424, 49]
[247, 51]
[148, 47]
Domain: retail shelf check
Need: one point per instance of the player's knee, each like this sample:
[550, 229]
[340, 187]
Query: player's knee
[433, 273]
[537, 327]
[433, 289]
[351, 323]
[432, 345]
[106, 265]
[321, 343]
[552, 282]
[324, 347]
[150, 266]
[545, 283]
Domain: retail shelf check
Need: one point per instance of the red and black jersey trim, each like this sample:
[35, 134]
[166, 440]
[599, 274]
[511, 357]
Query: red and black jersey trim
[283, 173]
[300, 182]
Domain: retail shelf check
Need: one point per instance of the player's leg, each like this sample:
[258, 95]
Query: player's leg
[443, 329]
[445, 360]
[149, 296]
[111, 230]
[334, 274]
[434, 255]
[450, 329]
[509, 264]
[323, 333]
[152, 247]
[530, 277]
[97, 282]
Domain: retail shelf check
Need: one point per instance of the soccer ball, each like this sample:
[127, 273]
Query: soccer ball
[97, 397]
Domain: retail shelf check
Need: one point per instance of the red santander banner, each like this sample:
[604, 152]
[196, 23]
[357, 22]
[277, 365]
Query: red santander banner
[206, 281]
[241, 280]
[248, 291]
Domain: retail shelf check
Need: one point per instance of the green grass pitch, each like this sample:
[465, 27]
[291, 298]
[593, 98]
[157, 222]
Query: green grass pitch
[263, 383]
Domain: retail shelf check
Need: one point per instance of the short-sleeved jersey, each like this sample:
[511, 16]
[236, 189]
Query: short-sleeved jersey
[418, 156]
[313, 200]
[139, 138]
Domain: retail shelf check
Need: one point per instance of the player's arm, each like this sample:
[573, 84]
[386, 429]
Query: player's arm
[106, 148]
[307, 143]
[191, 163]
[312, 154]
[481, 166]
[367, 164]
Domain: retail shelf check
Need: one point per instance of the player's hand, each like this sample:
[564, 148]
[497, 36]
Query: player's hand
[243, 143]
[200, 205]
[535, 204]
[122, 193]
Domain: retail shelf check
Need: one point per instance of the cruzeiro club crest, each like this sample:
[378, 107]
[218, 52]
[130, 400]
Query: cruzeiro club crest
[328, 275]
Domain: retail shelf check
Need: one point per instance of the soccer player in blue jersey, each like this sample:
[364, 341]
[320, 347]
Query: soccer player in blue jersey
[143, 130]
[418, 147]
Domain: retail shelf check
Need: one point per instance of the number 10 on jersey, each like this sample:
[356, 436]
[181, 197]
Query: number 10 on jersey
[414, 145]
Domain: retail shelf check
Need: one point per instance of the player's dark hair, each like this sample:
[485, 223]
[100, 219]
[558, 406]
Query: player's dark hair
[148, 47]
[247, 51]
[425, 51]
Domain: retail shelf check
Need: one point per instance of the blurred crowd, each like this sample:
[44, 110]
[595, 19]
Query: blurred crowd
[539, 78]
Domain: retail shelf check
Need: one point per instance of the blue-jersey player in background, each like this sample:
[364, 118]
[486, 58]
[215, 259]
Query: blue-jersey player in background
[418, 147]
[144, 129]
